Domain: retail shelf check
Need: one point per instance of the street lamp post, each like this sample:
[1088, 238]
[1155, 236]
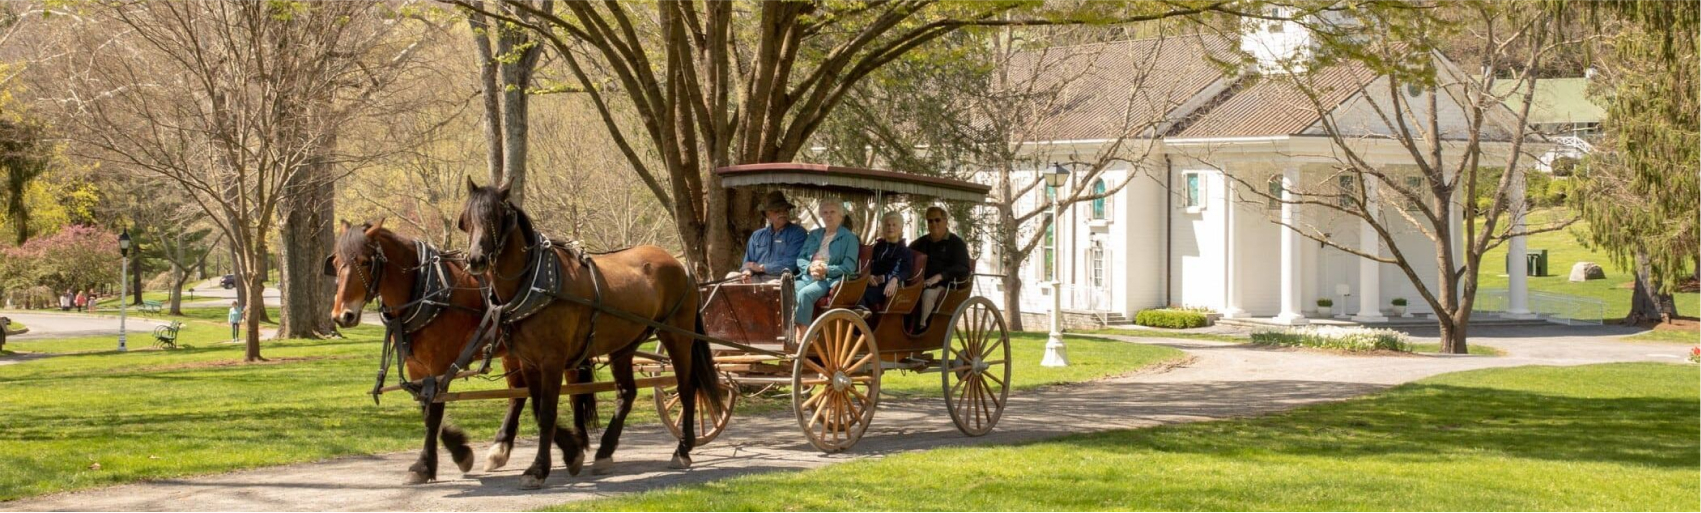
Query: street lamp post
[1055, 356]
[123, 283]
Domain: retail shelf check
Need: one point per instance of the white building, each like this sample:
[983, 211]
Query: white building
[1187, 229]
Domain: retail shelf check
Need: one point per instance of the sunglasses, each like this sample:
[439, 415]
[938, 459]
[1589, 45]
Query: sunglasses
[935, 220]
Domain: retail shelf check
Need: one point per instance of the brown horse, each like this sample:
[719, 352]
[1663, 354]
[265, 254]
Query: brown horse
[370, 263]
[550, 333]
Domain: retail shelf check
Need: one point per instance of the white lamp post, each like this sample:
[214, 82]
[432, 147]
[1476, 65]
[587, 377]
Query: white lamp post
[1055, 356]
[123, 283]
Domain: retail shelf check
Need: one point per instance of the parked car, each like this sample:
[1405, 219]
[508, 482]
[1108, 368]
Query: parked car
[228, 281]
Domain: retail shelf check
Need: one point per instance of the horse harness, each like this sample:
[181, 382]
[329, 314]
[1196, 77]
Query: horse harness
[432, 286]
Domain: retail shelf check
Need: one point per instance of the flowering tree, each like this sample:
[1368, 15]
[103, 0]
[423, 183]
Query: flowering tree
[76, 257]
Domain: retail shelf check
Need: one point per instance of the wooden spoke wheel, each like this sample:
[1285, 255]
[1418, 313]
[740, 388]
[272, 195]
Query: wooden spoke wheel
[976, 367]
[708, 425]
[835, 380]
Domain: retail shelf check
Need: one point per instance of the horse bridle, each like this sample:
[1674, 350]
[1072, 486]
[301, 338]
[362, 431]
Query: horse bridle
[370, 276]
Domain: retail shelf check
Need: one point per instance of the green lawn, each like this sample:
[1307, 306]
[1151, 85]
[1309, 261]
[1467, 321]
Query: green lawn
[1672, 336]
[1563, 251]
[1470, 348]
[1147, 333]
[1602, 437]
[150, 414]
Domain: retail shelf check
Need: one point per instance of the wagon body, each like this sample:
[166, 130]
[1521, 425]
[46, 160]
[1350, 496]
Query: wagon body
[834, 369]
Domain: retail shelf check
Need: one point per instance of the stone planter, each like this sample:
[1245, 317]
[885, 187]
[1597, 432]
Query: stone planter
[1399, 310]
[1324, 311]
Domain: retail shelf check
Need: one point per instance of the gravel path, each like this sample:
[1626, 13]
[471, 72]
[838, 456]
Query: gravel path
[1221, 381]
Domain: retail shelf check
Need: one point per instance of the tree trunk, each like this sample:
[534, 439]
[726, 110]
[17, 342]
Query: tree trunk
[307, 236]
[241, 279]
[264, 265]
[491, 94]
[516, 80]
[135, 280]
[178, 275]
[1647, 304]
[1012, 299]
[1453, 337]
[251, 316]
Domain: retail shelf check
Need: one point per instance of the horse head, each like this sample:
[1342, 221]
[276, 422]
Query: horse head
[488, 220]
[358, 264]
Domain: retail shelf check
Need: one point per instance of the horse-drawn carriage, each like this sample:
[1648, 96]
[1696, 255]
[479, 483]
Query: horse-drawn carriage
[833, 370]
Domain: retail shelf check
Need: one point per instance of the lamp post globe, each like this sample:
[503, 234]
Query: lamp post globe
[1055, 355]
[123, 284]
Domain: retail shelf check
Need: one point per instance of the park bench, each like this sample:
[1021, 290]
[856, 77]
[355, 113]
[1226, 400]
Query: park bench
[166, 336]
[152, 306]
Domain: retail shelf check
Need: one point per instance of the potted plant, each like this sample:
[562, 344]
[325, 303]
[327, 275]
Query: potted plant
[1323, 306]
[1399, 307]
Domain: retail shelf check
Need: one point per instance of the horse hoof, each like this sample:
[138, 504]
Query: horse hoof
[416, 478]
[680, 462]
[465, 462]
[496, 457]
[577, 465]
[602, 467]
[528, 482]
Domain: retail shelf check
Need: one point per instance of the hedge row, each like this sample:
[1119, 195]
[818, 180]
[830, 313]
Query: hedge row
[1171, 318]
[1331, 337]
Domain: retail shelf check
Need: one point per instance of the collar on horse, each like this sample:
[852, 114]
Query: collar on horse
[541, 282]
[432, 286]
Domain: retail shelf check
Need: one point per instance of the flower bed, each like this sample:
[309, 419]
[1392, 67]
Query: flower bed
[1172, 318]
[1332, 337]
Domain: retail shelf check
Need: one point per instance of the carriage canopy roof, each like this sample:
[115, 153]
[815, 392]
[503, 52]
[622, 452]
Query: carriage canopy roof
[850, 180]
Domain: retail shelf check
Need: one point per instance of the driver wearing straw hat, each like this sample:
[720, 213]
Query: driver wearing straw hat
[773, 250]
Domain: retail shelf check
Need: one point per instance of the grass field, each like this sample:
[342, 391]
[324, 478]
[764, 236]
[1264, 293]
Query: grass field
[1672, 336]
[1602, 437]
[1180, 334]
[1563, 251]
[155, 414]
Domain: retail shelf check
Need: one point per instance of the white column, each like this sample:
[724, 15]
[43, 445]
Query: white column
[1517, 284]
[1291, 245]
[1231, 254]
[1370, 271]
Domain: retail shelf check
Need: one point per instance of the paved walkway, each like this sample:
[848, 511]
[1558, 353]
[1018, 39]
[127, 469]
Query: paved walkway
[1222, 381]
[46, 325]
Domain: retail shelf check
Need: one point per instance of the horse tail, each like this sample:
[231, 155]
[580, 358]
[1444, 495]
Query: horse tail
[703, 371]
[585, 405]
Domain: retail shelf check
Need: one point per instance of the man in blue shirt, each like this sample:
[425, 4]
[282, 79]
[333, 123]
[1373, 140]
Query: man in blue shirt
[773, 250]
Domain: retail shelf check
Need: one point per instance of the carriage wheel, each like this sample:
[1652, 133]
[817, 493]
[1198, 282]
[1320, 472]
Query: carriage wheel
[835, 380]
[976, 373]
[709, 425]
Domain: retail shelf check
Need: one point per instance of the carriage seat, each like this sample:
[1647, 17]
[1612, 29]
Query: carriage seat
[847, 292]
[908, 294]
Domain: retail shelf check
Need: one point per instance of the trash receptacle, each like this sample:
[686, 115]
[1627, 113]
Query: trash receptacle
[1535, 262]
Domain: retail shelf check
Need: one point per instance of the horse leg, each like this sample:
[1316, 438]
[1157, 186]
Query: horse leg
[626, 390]
[545, 387]
[584, 413]
[498, 454]
[425, 470]
[679, 350]
[456, 441]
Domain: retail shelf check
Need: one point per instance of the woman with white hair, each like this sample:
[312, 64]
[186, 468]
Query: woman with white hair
[889, 264]
[828, 255]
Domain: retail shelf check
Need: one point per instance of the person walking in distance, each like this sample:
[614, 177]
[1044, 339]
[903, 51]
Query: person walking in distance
[235, 318]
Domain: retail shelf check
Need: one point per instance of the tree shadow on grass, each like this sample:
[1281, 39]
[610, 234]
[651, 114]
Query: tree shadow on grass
[1424, 421]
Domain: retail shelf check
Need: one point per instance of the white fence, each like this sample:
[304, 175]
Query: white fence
[1555, 308]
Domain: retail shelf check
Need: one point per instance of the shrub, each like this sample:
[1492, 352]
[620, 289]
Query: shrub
[1171, 318]
[1399, 301]
[1333, 337]
[1325, 302]
[1557, 191]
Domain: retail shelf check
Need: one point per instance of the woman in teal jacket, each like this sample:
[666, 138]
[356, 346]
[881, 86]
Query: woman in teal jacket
[828, 255]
